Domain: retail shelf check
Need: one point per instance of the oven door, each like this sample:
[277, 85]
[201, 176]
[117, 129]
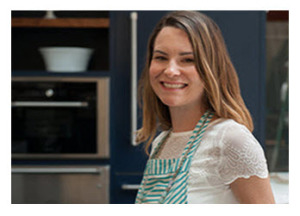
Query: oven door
[60, 119]
[60, 185]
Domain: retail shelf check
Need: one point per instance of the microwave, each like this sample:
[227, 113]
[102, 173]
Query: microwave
[60, 117]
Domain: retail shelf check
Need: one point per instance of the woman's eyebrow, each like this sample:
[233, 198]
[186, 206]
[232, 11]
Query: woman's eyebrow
[181, 53]
[186, 53]
[159, 51]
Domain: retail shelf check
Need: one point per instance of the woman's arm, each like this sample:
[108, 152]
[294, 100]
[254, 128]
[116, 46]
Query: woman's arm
[253, 190]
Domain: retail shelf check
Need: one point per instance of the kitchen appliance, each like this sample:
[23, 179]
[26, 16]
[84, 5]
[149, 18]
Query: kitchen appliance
[60, 117]
[60, 184]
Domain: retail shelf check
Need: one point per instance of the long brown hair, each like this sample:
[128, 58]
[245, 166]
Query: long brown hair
[212, 61]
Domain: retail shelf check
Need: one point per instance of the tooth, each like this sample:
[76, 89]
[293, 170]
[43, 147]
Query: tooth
[168, 85]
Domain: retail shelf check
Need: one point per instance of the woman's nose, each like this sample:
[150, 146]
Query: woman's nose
[172, 69]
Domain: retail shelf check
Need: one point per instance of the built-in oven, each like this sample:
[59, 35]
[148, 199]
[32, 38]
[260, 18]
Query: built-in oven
[60, 117]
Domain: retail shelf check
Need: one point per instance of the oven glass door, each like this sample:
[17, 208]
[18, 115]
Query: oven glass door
[54, 118]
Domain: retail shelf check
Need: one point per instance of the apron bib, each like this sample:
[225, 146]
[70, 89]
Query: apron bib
[165, 180]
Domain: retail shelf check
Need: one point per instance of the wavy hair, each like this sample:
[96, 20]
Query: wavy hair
[212, 61]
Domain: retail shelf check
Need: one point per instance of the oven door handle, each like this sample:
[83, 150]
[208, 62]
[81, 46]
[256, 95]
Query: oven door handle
[49, 104]
[56, 170]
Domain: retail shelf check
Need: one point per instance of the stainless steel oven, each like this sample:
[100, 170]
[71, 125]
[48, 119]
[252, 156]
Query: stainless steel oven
[60, 117]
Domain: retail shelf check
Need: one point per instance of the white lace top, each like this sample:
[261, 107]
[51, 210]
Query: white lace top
[228, 151]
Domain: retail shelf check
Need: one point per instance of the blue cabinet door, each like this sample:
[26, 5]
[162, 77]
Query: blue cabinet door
[244, 33]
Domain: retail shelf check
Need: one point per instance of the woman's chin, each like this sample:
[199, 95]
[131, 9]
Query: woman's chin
[171, 102]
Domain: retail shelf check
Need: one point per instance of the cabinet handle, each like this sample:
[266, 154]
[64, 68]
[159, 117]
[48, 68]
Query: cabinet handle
[133, 17]
[130, 187]
[49, 104]
[56, 170]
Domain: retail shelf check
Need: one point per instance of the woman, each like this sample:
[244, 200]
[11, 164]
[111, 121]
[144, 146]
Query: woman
[205, 152]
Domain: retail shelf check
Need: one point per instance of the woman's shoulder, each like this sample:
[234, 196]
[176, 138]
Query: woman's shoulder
[223, 123]
[227, 126]
[230, 132]
[241, 155]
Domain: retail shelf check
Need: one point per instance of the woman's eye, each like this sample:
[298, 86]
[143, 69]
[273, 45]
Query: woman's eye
[160, 58]
[188, 60]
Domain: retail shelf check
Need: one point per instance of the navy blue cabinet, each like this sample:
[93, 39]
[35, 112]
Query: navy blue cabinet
[127, 161]
[244, 33]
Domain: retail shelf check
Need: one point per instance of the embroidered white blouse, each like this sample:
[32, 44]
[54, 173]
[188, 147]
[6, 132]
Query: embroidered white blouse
[228, 151]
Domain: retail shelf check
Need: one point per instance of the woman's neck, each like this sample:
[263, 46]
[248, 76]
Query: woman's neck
[185, 119]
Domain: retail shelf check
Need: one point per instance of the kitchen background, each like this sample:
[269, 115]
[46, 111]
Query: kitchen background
[72, 127]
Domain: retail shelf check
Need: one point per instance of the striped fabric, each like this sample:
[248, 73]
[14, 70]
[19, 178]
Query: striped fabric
[159, 173]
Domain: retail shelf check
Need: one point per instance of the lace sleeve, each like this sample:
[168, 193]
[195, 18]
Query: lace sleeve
[242, 155]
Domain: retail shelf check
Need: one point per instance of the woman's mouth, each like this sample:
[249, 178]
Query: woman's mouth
[173, 85]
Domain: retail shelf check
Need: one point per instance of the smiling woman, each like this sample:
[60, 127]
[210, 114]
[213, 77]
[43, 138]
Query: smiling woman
[206, 152]
[173, 75]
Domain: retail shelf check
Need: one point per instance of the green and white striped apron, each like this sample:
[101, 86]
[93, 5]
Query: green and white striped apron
[165, 180]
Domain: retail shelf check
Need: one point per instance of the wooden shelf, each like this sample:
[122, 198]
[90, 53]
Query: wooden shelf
[61, 22]
[44, 73]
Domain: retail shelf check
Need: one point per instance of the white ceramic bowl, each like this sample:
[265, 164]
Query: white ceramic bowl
[66, 59]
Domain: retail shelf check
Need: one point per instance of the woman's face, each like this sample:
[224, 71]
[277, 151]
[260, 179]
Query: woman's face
[173, 74]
